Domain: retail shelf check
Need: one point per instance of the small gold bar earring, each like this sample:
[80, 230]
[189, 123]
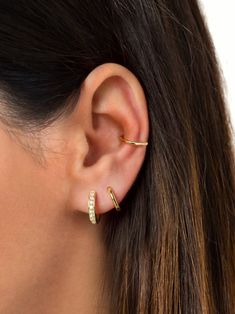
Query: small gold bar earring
[113, 198]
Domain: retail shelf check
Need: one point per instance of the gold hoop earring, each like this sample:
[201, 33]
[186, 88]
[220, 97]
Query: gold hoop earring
[122, 138]
[113, 198]
[94, 218]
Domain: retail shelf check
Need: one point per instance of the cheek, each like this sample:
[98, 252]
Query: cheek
[28, 192]
[18, 184]
[31, 207]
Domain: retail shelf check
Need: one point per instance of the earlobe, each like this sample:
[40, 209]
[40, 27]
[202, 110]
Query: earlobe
[112, 105]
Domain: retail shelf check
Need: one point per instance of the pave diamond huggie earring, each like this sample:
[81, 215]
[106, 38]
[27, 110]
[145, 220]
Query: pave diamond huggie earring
[94, 218]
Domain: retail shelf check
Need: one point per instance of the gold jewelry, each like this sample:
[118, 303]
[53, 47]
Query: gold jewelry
[113, 198]
[94, 218]
[122, 138]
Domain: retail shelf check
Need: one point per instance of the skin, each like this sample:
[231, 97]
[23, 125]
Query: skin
[53, 259]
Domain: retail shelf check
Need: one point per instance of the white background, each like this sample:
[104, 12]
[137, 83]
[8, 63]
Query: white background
[220, 18]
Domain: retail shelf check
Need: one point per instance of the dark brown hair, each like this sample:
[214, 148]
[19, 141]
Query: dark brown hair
[171, 248]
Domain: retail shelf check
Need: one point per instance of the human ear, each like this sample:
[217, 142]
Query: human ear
[111, 103]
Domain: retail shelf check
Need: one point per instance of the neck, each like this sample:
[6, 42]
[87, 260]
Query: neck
[62, 273]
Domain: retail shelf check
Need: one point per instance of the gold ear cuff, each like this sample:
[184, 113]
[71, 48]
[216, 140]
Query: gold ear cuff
[122, 138]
